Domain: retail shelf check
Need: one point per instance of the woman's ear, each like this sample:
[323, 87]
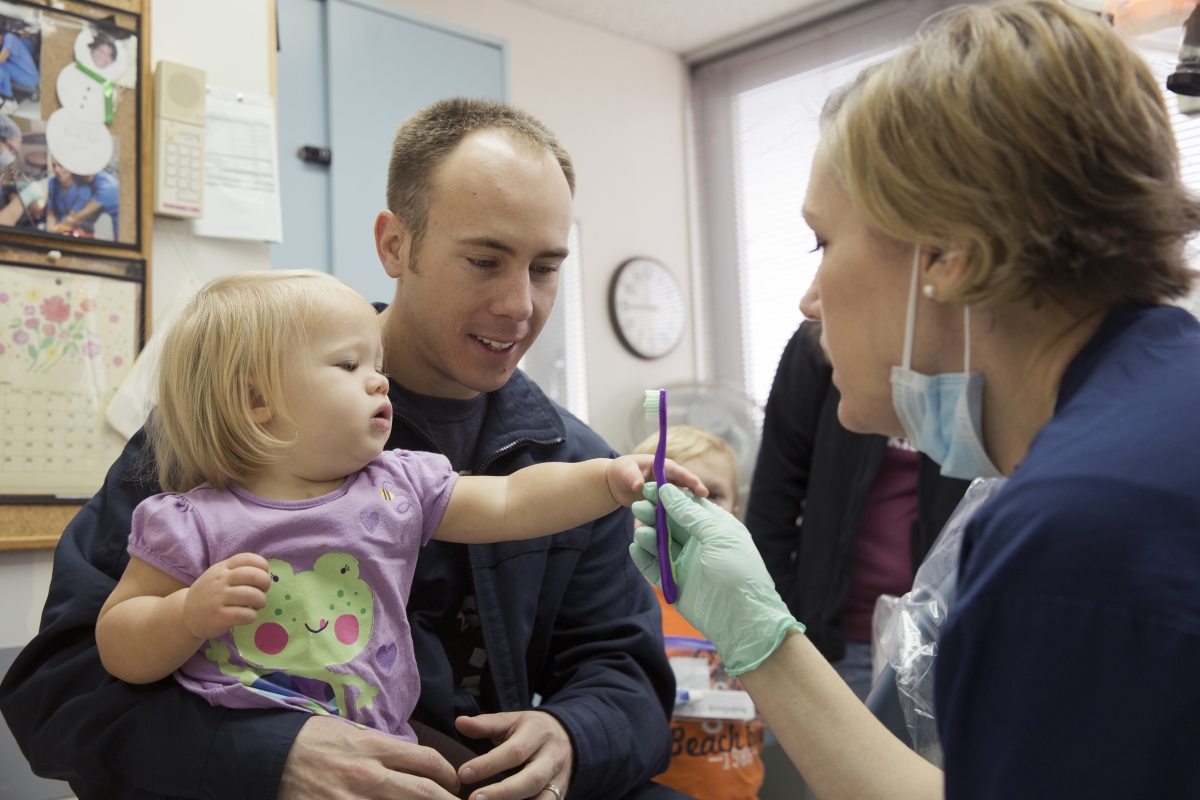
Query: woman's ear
[945, 271]
[260, 409]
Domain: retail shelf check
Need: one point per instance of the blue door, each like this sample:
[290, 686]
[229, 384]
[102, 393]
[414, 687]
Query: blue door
[380, 65]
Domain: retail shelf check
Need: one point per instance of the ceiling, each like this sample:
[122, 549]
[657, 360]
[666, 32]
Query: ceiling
[681, 26]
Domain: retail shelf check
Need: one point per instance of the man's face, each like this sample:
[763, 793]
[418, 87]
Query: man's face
[473, 297]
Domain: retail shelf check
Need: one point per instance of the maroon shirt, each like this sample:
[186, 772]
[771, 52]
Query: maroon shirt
[883, 549]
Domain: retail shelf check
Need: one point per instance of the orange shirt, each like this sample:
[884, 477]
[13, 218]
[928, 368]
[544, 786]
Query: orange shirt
[711, 759]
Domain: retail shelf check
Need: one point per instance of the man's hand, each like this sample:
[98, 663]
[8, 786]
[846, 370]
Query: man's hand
[331, 760]
[628, 474]
[533, 741]
[227, 594]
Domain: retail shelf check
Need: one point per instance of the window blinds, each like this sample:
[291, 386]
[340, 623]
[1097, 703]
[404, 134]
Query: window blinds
[757, 125]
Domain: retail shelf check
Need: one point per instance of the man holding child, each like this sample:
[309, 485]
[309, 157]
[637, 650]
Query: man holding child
[550, 648]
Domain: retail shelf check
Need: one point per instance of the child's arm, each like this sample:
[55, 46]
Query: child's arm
[152, 623]
[548, 498]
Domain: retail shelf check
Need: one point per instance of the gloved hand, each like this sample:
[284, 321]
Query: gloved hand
[724, 588]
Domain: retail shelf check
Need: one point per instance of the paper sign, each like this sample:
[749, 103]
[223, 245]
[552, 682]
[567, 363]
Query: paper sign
[241, 169]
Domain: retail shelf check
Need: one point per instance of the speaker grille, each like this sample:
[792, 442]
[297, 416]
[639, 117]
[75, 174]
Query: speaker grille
[184, 92]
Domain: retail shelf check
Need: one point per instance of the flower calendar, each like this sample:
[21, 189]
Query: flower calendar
[66, 343]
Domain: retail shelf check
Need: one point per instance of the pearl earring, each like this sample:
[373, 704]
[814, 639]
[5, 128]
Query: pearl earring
[930, 291]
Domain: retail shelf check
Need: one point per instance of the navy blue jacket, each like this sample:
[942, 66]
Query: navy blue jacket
[1070, 665]
[567, 617]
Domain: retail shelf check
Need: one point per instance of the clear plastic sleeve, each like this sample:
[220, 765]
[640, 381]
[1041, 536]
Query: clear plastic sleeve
[908, 640]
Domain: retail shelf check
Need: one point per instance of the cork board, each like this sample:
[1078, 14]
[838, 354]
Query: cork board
[58, 52]
[34, 527]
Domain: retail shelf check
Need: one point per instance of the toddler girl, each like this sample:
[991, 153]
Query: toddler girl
[276, 570]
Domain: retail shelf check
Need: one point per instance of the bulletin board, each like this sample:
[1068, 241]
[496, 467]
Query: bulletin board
[74, 299]
[70, 96]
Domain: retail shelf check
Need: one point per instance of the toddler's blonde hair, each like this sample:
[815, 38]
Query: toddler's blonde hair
[232, 340]
[685, 442]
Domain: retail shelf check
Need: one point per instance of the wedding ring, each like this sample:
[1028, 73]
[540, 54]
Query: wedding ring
[550, 787]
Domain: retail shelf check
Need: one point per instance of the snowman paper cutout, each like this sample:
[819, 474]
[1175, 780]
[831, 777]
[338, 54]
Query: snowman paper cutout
[76, 134]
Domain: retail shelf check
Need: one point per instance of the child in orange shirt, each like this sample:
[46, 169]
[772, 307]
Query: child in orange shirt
[711, 759]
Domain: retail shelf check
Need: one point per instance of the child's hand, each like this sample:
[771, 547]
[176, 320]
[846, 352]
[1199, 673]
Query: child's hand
[227, 594]
[628, 474]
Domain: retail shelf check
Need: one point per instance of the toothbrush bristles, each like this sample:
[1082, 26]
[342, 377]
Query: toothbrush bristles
[651, 404]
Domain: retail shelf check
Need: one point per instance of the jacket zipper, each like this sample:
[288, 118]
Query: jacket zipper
[488, 461]
[417, 428]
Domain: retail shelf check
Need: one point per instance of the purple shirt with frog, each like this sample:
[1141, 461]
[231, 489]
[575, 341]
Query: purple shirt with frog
[333, 637]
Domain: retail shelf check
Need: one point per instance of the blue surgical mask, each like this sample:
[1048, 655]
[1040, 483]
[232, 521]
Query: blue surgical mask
[942, 413]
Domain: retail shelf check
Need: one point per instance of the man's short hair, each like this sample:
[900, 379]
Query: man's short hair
[429, 136]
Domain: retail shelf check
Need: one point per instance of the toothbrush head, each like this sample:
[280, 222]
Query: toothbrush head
[651, 404]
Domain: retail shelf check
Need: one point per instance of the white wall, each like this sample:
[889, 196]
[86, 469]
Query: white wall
[227, 39]
[24, 581]
[618, 107]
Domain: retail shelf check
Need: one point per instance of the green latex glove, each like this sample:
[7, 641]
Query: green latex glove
[724, 588]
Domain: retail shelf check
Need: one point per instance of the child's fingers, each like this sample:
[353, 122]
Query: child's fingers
[685, 478]
[233, 616]
[249, 576]
[245, 596]
[248, 560]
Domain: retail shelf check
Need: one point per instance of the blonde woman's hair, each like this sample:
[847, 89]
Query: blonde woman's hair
[233, 339]
[685, 442]
[1032, 132]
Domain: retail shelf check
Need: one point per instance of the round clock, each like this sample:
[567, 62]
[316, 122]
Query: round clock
[647, 308]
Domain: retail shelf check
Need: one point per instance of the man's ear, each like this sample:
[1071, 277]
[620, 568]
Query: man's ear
[393, 243]
[260, 410]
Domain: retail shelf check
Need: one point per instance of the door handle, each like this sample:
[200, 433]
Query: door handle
[310, 154]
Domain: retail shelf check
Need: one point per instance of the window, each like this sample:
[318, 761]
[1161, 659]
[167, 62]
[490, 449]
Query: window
[756, 122]
[557, 361]
[1161, 51]
[775, 130]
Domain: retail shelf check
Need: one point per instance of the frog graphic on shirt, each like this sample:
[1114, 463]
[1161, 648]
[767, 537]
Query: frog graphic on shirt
[312, 620]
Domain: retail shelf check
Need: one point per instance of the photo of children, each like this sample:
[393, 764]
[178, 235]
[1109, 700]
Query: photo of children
[86, 206]
[20, 77]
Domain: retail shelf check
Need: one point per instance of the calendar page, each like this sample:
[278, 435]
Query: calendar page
[66, 343]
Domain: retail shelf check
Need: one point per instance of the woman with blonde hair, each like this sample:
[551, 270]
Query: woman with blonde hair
[1003, 225]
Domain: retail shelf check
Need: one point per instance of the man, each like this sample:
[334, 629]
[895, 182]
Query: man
[479, 206]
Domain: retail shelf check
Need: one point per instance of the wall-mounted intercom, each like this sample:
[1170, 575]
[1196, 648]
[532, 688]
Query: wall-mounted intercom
[179, 94]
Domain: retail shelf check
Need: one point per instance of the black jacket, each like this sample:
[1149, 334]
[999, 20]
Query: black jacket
[565, 616]
[810, 487]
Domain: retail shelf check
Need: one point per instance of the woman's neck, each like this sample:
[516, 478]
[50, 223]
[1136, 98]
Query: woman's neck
[276, 482]
[1023, 352]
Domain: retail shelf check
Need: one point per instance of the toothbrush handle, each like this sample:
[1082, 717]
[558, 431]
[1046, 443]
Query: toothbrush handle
[666, 569]
[670, 590]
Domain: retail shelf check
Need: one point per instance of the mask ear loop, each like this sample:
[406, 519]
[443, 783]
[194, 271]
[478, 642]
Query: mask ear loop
[910, 322]
[967, 338]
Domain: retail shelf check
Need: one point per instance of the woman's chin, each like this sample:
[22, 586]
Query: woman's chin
[869, 417]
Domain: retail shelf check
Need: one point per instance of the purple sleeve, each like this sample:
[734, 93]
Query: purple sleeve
[168, 534]
[430, 479]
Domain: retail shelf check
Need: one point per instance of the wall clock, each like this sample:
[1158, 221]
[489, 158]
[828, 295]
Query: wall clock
[647, 308]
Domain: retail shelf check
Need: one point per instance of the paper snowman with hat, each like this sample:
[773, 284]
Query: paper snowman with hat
[77, 134]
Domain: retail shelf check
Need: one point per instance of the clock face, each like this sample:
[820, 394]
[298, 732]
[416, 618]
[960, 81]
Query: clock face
[647, 308]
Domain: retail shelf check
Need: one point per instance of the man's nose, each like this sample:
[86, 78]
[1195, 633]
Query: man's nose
[810, 303]
[514, 298]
